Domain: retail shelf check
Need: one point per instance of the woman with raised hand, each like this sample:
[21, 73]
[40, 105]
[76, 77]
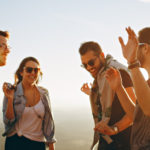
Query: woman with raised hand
[26, 110]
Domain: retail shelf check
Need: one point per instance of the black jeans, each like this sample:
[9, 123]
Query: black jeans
[21, 143]
[103, 145]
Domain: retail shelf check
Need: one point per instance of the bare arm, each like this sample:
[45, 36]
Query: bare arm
[103, 128]
[126, 96]
[10, 111]
[142, 89]
[126, 121]
[51, 146]
[10, 95]
[126, 102]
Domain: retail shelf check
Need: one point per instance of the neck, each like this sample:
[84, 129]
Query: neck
[147, 68]
[27, 86]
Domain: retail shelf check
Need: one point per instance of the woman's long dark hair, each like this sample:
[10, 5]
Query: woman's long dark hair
[18, 77]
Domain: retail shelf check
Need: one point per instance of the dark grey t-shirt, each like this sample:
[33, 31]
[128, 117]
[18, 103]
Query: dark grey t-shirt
[140, 135]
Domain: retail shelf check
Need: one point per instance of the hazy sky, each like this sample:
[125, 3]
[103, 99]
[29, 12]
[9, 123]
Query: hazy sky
[52, 31]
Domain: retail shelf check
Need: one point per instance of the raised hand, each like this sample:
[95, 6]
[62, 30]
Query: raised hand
[86, 89]
[114, 79]
[9, 93]
[130, 49]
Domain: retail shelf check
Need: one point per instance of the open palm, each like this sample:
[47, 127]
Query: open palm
[114, 79]
[130, 49]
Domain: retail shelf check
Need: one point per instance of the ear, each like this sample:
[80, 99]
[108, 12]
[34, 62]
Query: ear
[102, 54]
[146, 49]
[21, 73]
[102, 57]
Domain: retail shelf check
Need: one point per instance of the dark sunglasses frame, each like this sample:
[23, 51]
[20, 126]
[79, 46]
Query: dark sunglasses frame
[90, 63]
[30, 69]
[4, 46]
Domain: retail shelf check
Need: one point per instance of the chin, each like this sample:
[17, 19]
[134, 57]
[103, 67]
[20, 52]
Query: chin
[94, 75]
[2, 63]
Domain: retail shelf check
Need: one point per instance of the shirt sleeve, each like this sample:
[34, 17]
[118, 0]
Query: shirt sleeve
[6, 121]
[126, 79]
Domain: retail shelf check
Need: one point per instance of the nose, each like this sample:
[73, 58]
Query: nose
[7, 50]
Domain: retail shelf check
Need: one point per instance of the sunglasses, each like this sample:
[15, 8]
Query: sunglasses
[4, 46]
[30, 69]
[90, 63]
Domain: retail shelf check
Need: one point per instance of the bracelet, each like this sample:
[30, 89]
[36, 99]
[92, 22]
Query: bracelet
[132, 62]
[135, 64]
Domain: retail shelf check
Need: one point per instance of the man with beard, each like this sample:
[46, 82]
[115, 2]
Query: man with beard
[4, 48]
[137, 54]
[105, 105]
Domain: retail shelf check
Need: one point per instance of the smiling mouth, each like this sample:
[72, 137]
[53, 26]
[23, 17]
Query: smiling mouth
[92, 70]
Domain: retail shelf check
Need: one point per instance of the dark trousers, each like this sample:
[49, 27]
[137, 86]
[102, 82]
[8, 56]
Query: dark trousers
[103, 145]
[21, 143]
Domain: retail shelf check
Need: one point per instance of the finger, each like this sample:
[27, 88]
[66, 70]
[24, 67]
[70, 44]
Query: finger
[129, 31]
[86, 85]
[5, 86]
[98, 125]
[121, 42]
[107, 77]
[110, 71]
[131, 34]
[99, 130]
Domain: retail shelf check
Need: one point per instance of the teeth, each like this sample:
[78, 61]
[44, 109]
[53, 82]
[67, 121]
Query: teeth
[93, 70]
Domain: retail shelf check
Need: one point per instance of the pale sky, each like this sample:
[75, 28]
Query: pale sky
[52, 31]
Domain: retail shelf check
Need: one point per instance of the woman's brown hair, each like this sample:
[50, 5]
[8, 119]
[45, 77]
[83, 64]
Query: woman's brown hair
[18, 77]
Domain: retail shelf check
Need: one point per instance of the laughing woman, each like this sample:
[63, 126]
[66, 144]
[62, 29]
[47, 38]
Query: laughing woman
[26, 110]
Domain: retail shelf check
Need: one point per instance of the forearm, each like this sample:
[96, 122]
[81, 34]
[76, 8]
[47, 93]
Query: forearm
[124, 123]
[10, 111]
[142, 90]
[126, 102]
[51, 146]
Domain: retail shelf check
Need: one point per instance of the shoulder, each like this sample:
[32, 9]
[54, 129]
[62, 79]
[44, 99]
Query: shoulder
[126, 78]
[43, 90]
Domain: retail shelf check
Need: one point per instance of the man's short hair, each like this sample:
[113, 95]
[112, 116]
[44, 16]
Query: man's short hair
[4, 33]
[89, 46]
[144, 35]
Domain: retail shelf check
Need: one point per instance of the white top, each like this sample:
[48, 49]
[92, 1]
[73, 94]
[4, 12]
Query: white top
[30, 123]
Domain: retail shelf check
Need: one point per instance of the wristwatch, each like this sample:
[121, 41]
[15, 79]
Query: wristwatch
[115, 128]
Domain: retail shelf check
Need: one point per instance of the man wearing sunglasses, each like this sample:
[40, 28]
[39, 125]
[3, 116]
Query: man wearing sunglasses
[105, 105]
[4, 48]
[137, 54]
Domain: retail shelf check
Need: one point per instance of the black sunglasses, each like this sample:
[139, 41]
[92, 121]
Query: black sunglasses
[30, 69]
[90, 63]
[4, 46]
